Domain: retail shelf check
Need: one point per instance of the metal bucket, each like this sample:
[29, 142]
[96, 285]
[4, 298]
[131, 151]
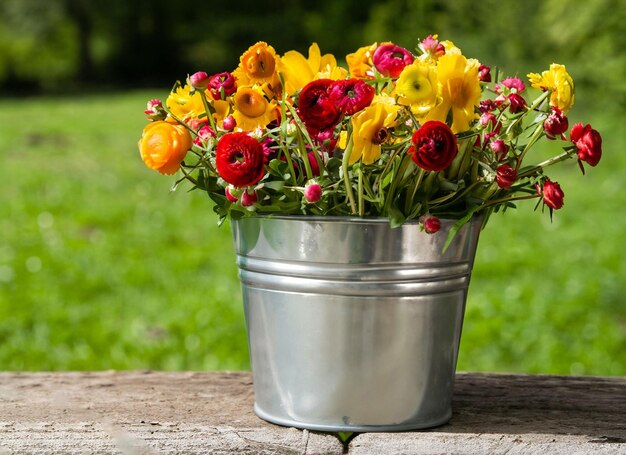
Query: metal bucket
[352, 325]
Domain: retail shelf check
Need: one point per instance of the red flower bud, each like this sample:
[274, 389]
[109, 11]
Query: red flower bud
[505, 176]
[552, 194]
[588, 142]
[556, 124]
[431, 224]
[312, 192]
[229, 123]
[516, 103]
[248, 198]
[486, 106]
[484, 73]
[231, 193]
[499, 148]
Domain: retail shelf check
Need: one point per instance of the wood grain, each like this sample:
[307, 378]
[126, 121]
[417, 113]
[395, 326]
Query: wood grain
[180, 412]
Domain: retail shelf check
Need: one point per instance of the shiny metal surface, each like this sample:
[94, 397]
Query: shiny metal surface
[352, 325]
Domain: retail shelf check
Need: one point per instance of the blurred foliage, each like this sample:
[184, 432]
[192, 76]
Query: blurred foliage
[64, 44]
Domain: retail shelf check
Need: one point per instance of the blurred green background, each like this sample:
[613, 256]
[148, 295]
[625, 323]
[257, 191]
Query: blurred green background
[102, 267]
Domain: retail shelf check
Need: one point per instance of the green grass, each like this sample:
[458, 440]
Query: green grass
[101, 267]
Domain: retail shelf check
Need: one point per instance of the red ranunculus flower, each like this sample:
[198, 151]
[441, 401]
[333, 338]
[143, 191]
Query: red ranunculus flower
[556, 124]
[222, 85]
[239, 159]
[316, 109]
[505, 176]
[552, 194]
[390, 59]
[588, 142]
[352, 95]
[434, 146]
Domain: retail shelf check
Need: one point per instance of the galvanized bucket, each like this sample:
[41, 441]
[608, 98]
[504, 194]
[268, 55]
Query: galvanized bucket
[352, 325]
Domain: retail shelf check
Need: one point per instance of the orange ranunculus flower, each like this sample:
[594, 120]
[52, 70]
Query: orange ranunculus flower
[360, 62]
[163, 146]
[257, 65]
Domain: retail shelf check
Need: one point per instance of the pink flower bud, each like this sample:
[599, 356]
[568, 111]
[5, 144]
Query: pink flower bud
[488, 118]
[517, 103]
[505, 176]
[432, 46]
[222, 83]
[514, 84]
[154, 110]
[312, 192]
[199, 80]
[484, 73]
[499, 148]
[229, 123]
[390, 59]
[556, 124]
[431, 224]
[248, 198]
[204, 134]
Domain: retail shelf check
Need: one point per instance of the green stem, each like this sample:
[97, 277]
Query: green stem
[413, 190]
[346, 177]
[507, 199]
[208, 110]
[533, 139]
[556, 159]
[360, 192]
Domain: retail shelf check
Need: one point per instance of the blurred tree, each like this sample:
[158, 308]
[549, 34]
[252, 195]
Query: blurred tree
[38, 45]
[153, 42]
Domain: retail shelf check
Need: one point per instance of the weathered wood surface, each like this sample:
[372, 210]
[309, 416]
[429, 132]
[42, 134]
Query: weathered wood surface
[164, 412]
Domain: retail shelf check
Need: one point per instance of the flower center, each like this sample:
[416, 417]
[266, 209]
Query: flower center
[250, 103]
[380, 136]
[261, 65]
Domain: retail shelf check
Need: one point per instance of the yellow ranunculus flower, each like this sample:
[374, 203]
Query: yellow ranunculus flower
[459, 89]
[369, 131]
[560, 84]
[417, 87]
[251, 109]
[185, 105]
[298, 71]
[360, 62]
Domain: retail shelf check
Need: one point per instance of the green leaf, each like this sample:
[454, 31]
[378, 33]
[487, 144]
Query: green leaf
[396, 217]
[275, 185]
[458, 225]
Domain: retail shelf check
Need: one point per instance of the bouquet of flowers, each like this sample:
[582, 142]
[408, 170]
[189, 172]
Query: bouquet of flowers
[404, 135]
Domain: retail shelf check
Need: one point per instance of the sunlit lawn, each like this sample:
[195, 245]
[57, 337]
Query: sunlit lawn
[101, 267]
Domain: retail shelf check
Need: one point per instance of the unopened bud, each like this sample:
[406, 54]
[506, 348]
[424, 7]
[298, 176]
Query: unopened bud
[312, 192]
[199, 80]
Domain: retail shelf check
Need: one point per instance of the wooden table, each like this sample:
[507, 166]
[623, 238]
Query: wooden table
[180, 412]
